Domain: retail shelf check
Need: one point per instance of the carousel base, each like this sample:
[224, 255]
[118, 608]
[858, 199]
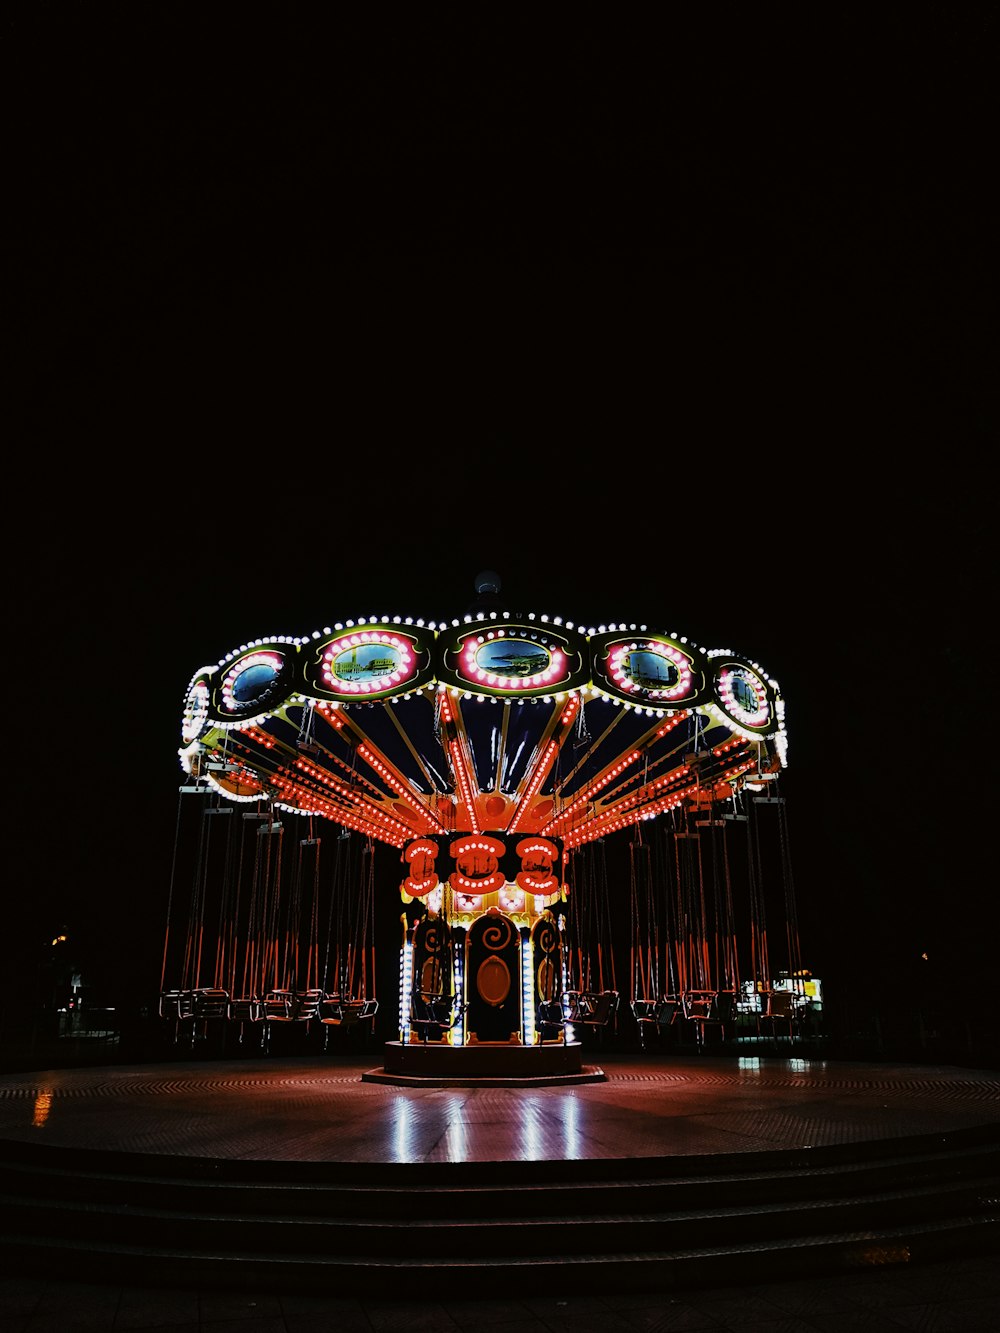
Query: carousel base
[483, 1064]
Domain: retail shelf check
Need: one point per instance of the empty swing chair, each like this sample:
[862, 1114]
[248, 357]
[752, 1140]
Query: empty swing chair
[291, 1002]
[348, 1004]
[194, 1009]
[590, 1000]
[436, 1009]
[246, 929]
[776, 995]
[550, 980]
[655, 1003]
[707, 964]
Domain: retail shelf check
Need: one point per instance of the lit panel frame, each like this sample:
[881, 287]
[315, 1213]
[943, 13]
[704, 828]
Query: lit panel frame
[744, 697]
[494, 658]
[613, 673]
[225, 709]
[369, 662]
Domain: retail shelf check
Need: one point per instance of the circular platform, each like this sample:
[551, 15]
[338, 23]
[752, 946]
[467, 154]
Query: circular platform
[312, 1177]
[483, 1064]
[306, 1109]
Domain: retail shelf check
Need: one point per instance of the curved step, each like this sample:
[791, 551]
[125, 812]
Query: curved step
[361, 1273]
[166, 1219]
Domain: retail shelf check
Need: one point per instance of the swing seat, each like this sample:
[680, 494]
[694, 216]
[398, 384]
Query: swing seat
[707, 1008]
[698, 1005]
[246, 1011]
[177, 1005]
[725, 1006]
[278, 1006]
[177, 1009]
[306, 1005]
[550, 1018]
[434, 1014]
[593, 1009]
[209, 1002]
[289, 1008]
[337, 1012]
[778, 1004]
[334, 1011]
[656, 1013]
[646, 1011]
[208, 1006]
[779, 1007]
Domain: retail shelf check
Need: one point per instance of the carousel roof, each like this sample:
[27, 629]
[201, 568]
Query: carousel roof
[491, 722]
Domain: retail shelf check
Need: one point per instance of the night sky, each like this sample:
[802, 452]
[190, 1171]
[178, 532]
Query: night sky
[312, 325]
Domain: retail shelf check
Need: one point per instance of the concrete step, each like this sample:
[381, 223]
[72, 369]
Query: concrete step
[161, 1218]
[476, 1273]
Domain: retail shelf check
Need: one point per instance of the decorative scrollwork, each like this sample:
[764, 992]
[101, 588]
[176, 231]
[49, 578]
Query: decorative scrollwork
[498, 933]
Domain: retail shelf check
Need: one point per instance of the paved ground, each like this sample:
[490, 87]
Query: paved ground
[958, 1294]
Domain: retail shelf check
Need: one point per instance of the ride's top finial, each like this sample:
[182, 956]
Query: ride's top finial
[487, 581]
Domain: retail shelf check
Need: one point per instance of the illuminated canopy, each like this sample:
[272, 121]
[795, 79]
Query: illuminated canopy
[493, 723]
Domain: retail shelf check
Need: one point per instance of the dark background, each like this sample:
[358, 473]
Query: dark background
[691, 326]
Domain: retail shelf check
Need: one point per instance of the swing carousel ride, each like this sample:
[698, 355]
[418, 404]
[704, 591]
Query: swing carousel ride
[498, 756]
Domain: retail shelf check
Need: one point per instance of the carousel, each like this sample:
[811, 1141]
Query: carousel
[585, 825]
